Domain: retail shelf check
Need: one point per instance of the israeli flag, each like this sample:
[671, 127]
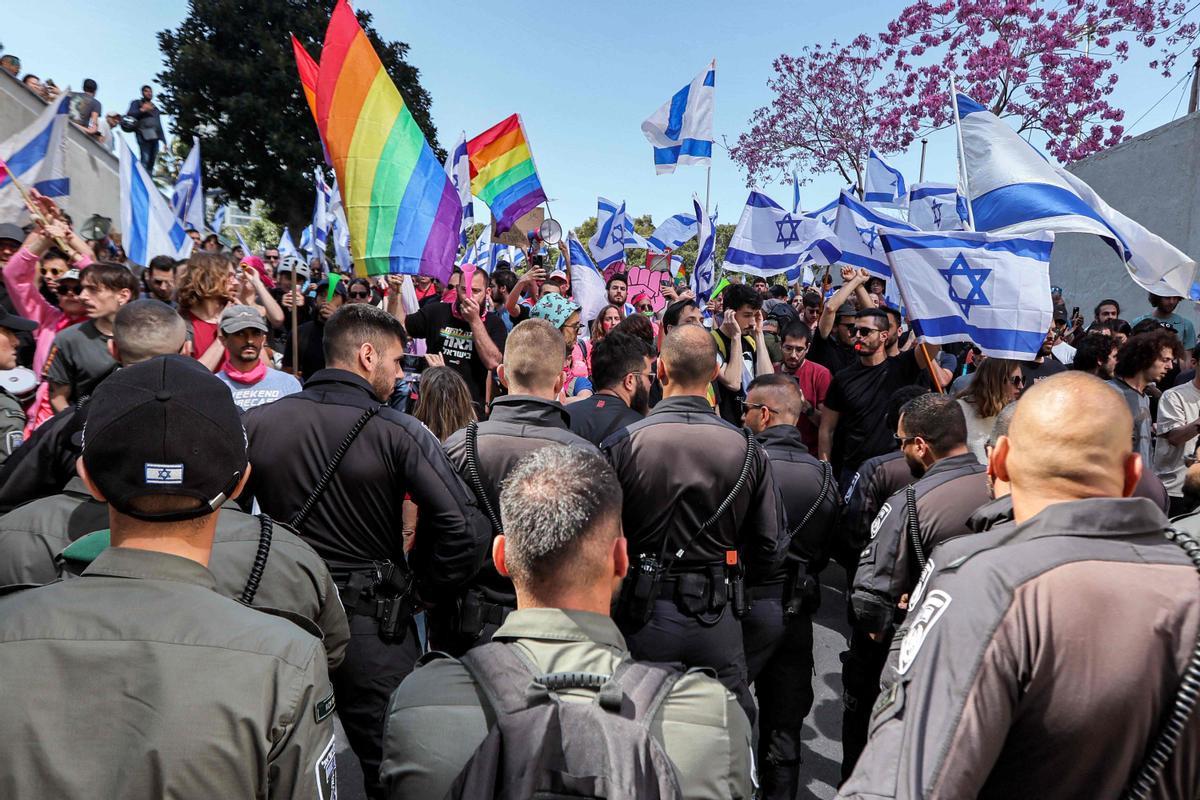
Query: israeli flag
[458, 167]
[703, 274]
[288, 248]
[770, 241]
[339, 229]
[937, 207]
[320, 217]
[219, 219]
[149, 225]
[608, 242]
[187, 200]
[857, 228]
[826, 214]
[306, 239]
[1014, 190]
[673, 232]
[681, 130]
[989, 289]
[36, 156]
[885, 185]
[633, 239]
[795, 192]
[246, 251]
[587, 282]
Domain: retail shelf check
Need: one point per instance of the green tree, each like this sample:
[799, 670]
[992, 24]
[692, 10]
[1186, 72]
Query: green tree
[231, 79]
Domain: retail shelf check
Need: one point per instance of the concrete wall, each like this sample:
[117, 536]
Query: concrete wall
[1154, 179]
[95, 185]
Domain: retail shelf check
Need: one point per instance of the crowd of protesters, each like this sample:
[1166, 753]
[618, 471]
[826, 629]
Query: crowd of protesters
[521, 463]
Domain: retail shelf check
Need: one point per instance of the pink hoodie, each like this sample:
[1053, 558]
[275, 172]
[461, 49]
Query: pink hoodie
[20, 277]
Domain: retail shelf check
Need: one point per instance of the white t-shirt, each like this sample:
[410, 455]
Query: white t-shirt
[1178, 406]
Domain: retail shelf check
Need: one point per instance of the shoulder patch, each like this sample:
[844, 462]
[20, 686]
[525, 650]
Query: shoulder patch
[13, 440]
[924, 621]
[323, 708]
[919, 590]
[850, 490]
[326, 772]
[879, 519]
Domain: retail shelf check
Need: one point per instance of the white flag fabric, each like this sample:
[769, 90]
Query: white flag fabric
[339, 229]
[857, 229]
[587, 282]
[187, 201]
[673, 232]
[990, 289]
[36, 155]
[148, 225]
[246, 251]
[680, 131]
[770, 241]
[703, 273]
[1014, 190]
[288, 248]
[937, 207]
[608, 242]
[458, 167]
[321, 218]
[884, 184]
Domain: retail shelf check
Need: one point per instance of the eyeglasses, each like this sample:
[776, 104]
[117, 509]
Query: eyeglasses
[904, 440]
[861, 331]
[794, 349]
[52, 273]
[747, 406]
[1017, 380]
[575, 326]
[64, 290]
[360, 295]
[649, 375]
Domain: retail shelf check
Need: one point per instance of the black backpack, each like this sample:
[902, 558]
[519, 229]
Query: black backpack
[542, 747]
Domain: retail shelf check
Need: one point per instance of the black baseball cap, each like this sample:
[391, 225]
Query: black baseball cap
[166, 426]
[15, 323]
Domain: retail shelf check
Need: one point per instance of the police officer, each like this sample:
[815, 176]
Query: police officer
[333, 456]
[778, 630]
[12, 415]
[61, 534]
[130, 680]
[951, 484]
[1005, 672]
[43, 465]
[564, 551]
[526, 419]
[678, 467]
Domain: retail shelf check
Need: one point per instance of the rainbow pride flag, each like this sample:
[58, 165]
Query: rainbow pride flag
[503, 174]
[402, 208]
[308, 70]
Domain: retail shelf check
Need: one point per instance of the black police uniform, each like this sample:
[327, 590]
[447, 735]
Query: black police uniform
[945, 498]
[876, 479]
[42, 465]
[356, 527]
[518, 425]
[778, 630]
[676, 467]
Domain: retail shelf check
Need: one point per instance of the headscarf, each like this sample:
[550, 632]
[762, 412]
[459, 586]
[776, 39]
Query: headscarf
[260, 268]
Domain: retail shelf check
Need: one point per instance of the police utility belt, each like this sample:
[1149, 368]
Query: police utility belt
[699, 590]
[382, 591]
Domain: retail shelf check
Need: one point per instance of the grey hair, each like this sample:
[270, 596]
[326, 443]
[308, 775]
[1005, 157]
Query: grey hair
[550, 504]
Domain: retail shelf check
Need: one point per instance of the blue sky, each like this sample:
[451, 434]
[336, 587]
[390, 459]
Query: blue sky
[582, 74]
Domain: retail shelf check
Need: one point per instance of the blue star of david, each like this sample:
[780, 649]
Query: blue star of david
[164, 474]
[868, 236]
[975, 276]
[791, 237]
[937, 212]
[828, 222]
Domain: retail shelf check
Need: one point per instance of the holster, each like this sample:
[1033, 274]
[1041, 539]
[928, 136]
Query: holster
[383, 593]
[639, 590]
[801, 595]
[738, 599]
[693, 594]
[476, 610]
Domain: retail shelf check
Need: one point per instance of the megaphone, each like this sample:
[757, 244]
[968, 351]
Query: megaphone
[550, 231]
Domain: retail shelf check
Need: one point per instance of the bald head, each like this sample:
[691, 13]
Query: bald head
[688, 362]
[1071, 438]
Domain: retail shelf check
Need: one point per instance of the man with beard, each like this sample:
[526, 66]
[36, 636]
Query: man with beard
[1044, 364]
[812, 378]
[951, 484]
[622, 373]
[1096, 353]
[243, 331]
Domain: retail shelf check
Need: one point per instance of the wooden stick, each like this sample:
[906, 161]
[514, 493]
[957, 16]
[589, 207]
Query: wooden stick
[932, 368]
[295, 329]
[38, 216]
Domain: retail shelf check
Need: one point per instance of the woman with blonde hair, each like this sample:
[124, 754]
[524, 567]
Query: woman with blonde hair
[996, 383]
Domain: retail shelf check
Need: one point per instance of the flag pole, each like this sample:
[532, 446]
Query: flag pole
[962, 159]
[34, 212]
[707, 186]
[921, 176]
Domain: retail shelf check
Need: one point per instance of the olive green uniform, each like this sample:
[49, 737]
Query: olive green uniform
[138, 680]
[435, 721]
[34, 536]
[12, 425]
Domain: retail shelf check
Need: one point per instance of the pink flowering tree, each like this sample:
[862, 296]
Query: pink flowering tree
[1047, 64]
[831, 104]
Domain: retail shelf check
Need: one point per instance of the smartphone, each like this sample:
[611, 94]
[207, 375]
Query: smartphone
[1074, 312]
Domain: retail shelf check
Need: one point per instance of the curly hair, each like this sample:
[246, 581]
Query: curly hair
[206, 278]
[1143, 349]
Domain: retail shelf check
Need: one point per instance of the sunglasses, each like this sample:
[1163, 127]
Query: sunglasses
[1017, 380]
[645, 307]
[270, 258]
[360, 295]
[52, 273]
[859, 330]
[747, 407]
[64, 290]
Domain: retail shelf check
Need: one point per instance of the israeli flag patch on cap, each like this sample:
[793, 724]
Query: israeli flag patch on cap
[164, 474]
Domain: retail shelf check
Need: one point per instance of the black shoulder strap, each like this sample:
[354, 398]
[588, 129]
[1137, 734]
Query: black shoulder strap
[476, 482]
[914, 524]
[826, 483]
[646, 685]
[323, 482]
[266, 527]
[502, 673]
[743, 478]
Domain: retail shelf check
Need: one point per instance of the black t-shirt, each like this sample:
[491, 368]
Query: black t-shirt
[831, 353]
[311, 336]
[1033, 371]
[595, 418]
[451, 336]
[860, 395]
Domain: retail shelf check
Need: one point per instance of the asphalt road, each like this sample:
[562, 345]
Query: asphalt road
[821, 768]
